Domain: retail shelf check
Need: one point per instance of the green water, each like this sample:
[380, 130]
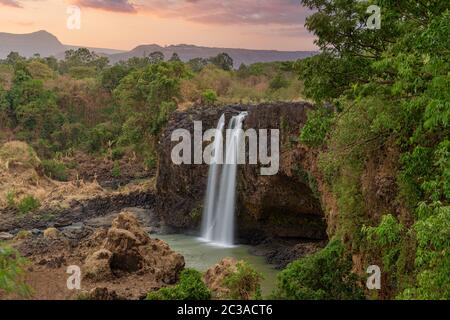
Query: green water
[200, 256]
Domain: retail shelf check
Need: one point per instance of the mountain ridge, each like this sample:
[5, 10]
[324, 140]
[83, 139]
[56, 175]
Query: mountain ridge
[47, 44]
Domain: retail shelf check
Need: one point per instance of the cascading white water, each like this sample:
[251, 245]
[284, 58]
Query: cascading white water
[218, 215]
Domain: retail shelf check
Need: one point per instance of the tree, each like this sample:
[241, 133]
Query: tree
[82, 57]
[144, 100]
[223, 61]
[14, 57]
[390, 89]
[111, 77]
[175, 57]
[197, 64]
[156, 57]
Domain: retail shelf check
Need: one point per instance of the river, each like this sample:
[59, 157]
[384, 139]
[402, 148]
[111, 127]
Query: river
[200, 255]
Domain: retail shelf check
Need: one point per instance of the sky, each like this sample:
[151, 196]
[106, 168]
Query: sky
[124, 24]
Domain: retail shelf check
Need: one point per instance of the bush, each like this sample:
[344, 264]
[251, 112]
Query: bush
[325, 275]
[55, 170]
[190, 287]
[278, 82]
[11, 272]
[244, 284]
[116, 172]
[432, 259]
[316, 128]
[28, 204]
[11, 199]
[209, 96]
[117, 153]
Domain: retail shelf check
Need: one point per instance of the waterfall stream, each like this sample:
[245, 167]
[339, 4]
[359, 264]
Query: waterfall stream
[218, 216]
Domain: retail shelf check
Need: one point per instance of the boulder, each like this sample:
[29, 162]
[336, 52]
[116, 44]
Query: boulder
[6, 236]
[128, 221]
[52, 234]
[98, 265]
[126, 248]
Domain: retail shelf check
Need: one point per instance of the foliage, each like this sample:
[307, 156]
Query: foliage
[244, 283]
[317, 127]
[12, 271]
[28, 204]
[390, 91]
[111, 76]
[190, 287]
[325, 274]
[278, 82]
[223, 61]
[11, 199]
[116, 172]
[433, 256]
[54, 169]
[209, 96]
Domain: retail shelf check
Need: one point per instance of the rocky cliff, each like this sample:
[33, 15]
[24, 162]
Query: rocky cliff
[284, 205]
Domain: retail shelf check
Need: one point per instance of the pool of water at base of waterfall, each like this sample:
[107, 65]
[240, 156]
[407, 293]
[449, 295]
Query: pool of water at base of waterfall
[201, 255]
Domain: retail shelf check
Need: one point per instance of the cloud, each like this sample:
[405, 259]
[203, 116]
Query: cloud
[124, 6]
[219, 12]
[10, 3]
[253, 12]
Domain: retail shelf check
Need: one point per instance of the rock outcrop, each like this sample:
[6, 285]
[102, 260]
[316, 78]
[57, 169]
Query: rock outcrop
[127, 249]
[282, 205]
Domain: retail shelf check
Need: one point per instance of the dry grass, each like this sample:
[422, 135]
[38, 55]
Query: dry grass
[20, 177]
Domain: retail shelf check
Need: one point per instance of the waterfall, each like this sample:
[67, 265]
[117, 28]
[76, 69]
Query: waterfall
[218, 215]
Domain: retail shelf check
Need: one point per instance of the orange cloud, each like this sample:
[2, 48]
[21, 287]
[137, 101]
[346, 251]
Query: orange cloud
[109, 5]
[10, 3]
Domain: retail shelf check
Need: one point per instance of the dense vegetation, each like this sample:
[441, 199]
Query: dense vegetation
[189, 287]
[322, 276]
[390, 92]
[83, 103]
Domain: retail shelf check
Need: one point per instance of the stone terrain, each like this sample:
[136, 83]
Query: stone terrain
[119, 262]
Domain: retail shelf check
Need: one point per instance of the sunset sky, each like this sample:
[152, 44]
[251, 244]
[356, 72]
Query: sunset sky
[124, 24]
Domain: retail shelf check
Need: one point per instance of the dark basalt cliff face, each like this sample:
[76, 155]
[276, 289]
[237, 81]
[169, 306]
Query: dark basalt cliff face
[284, 205]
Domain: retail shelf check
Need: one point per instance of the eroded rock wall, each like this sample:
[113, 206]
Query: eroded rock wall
[282, 205]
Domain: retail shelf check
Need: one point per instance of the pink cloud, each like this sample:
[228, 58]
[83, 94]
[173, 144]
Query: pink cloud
[124, 6]
[256, 12]
[10, 3]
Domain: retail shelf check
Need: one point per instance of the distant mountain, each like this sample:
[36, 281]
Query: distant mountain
[188, 52]
[47, 44]
[103, 51]
[28, 44]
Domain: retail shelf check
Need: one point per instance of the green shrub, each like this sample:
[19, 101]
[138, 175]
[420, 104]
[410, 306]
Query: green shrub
[316, 128]
[209, 96]
[28, 204]
[244, 284]
[117, 153]
[55, 170]
[150, 161]
[190, 287]
[11, 199]
[432, 259]
[325, 275]
[278, 82]
[116, 172]
[11, 272]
